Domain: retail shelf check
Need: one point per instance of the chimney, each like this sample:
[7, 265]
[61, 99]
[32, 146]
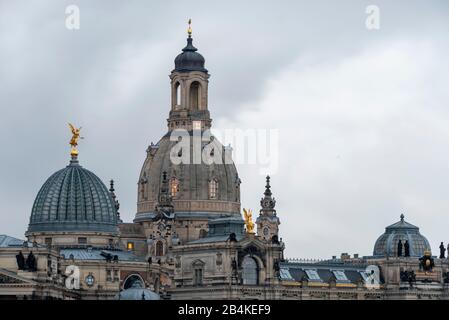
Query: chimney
[345, 256]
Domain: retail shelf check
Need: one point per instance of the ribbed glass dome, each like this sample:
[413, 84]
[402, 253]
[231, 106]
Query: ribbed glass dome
[73, 199]
[387, 243]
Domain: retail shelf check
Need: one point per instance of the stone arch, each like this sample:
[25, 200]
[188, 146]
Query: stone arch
[131, 279]
[195, 90]
[177, 96]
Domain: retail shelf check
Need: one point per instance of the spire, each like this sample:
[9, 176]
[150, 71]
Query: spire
[165, 203]
[268, 202]
[267, 192]
[114, 198]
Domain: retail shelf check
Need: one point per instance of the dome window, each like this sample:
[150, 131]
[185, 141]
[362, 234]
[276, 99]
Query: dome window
[213, 189]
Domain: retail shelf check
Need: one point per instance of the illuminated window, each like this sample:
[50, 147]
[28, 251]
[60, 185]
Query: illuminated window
[213, 188]
[174, 186]
[196, 125]
[130, 246]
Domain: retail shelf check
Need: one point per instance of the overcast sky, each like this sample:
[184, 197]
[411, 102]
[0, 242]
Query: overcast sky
[362, 114]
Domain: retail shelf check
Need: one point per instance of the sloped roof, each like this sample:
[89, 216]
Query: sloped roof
[99, 254]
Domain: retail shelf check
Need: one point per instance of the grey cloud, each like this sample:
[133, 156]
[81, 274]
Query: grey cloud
[111, 77]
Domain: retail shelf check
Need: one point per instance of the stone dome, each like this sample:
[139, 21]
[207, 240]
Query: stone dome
[193, 181]
[189, 59]
[387, 243]
[74, 200]
[137, 292]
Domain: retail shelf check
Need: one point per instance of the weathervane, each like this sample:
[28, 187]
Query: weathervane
[189, 30]
[248, 214]
[74, 140]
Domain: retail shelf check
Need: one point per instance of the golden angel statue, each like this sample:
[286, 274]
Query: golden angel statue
[248, 220]
[74, 140]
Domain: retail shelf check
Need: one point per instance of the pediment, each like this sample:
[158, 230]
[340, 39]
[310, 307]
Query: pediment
[253, 243]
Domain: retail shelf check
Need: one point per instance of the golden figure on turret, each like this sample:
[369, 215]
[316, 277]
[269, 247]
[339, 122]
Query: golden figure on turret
[189, 30]
[248, 215]
[74, 140]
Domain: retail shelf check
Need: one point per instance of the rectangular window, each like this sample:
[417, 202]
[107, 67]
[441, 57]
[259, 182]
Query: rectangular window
[82, 240]
[130, 246]
[48, 241]
[198, 277]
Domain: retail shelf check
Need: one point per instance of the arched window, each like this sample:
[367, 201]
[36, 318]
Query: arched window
[174, 186]
[250, 271]
[159, 249]
[177, 95]
[213, 189]
[194, 95]
[133, 279]
[143, 186]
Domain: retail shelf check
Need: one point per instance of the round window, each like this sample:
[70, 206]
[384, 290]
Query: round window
[90, 280]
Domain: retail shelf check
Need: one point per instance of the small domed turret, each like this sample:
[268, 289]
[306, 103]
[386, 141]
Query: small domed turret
[387, 243]
[189, 59]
